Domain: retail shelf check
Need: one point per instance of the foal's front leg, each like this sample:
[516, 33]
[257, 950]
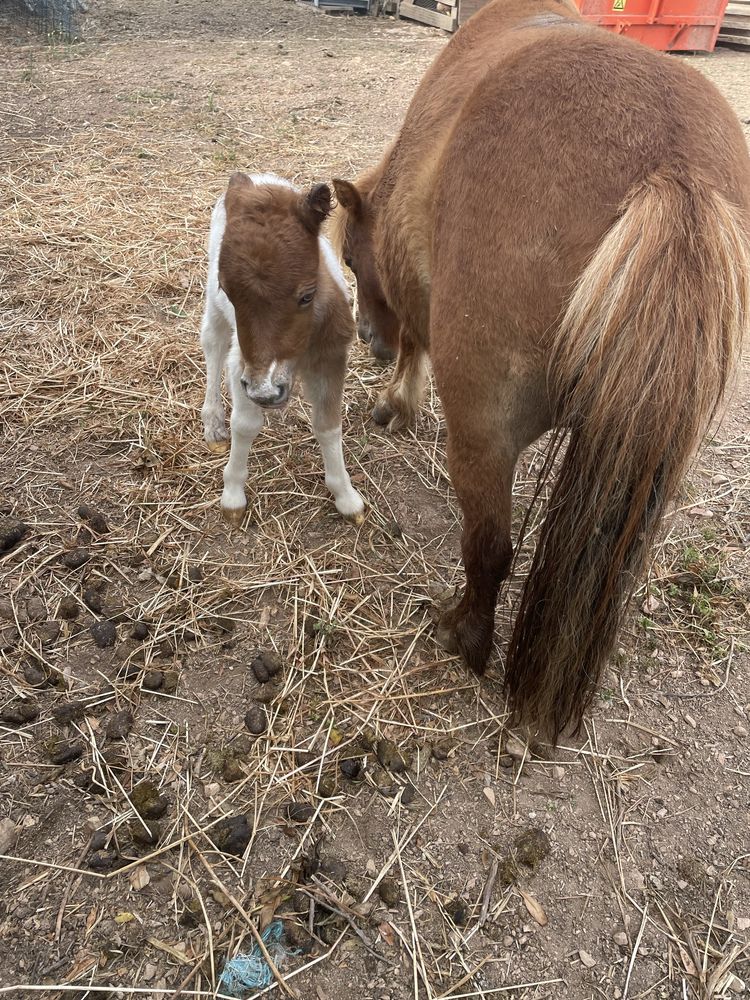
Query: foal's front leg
[216, 339]
[247, 419]
[324, 389]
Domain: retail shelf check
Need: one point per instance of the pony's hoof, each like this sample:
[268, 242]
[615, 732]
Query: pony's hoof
[446, 637]
[470, 637]
[234, 515]
[357, 519]
[218, 447]
[383, 412]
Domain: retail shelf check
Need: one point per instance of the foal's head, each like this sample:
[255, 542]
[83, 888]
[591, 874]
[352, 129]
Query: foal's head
[268, 268]
[354, 233]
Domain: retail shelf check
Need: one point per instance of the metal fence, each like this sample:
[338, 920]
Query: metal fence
[52, 18]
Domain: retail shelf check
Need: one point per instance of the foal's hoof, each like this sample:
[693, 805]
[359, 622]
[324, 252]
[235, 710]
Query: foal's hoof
[218, 447]
[383, 412]
[234, 515]
[446, 637]
[391, 412]
[357, 519]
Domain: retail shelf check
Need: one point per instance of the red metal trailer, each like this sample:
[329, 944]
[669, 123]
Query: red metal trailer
[669, 25]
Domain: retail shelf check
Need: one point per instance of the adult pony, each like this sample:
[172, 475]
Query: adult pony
[563, 223]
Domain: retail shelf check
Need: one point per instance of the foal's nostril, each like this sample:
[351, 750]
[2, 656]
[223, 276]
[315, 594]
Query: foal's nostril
[243, 382]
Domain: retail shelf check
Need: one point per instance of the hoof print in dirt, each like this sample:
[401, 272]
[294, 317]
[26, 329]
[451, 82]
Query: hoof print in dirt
[105, 861]
[104, 634]
[12, 531]
[144, 833]
[256, 720]
[352, 768]
[69, 608]
[19, 713]
[390, 892]
[152, 680]
[531, 847]
[231, 835]
[389, 757]
[68, 712]
[147, 801]
[94, 518]
[119, 725]
[64, 751]
[298, 812]
[75, 558]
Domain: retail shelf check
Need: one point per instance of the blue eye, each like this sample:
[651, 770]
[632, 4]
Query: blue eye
[306, 299]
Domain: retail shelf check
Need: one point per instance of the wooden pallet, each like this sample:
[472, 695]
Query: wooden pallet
[735, 28]
[437, 13]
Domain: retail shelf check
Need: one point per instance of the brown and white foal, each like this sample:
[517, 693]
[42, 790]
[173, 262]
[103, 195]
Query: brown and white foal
[277, 307]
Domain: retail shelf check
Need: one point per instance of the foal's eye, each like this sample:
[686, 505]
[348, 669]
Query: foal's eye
[306, 299]
[349, 263]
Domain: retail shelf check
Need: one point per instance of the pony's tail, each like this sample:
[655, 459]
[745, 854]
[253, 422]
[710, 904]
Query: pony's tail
[638, 367]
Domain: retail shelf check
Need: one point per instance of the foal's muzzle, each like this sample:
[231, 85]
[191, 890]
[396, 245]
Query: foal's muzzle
[271, 396]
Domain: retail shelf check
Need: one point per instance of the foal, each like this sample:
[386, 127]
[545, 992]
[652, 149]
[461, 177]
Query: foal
[564, 223]
[277, 305]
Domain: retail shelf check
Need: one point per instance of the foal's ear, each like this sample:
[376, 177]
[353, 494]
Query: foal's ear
[348, 196]
[239, 184]
[316, 206]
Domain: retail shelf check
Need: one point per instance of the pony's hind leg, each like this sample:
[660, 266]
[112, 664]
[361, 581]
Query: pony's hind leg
[323, 385]
[397, 405]
[481, 471]
[246, 422]
[216, 338]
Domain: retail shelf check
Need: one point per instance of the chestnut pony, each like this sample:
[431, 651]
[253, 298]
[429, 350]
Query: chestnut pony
[563, 223]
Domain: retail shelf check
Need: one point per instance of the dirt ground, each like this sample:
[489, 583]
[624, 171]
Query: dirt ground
[410, 846]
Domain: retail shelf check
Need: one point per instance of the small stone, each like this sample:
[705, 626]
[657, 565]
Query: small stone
[231, 835]
[93, 599]
[299, 812]
[558, 773]
[390, 892]
[19, 713]
[740, 731]
[508, 941]
[152, 680]
[140, 631]
[36, 609]
[256, 720]
[620, 938]
[586, 959]
[389, 756]
[120, 724]
[12, 531]
[104, 634]
[8, 835]
[95, 518]
[69, 607]
[148, 801]
[68, 712]
[76, 558]
[195, 574]
[64, 751]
